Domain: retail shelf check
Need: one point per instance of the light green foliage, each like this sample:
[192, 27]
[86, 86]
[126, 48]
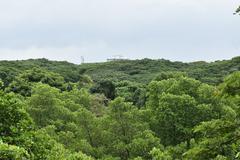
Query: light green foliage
[1, 84]
[89, 131]
[79, 156]
[231, 85]
[157, 154]
[84, 82]
[45, 107]
[16, 128]
[45, 147]
[73, 125]
[178, 104]
[8, 152]
[169, 75]
[123, 123]
[217, 137]
[75, 99]
[220, 138]
[79, 97]
[143, 143]
[230, 89]
[219, 157]
[175, 118]
[14, 120]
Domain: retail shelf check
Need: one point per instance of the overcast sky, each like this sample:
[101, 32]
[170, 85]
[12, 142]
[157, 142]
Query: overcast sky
[179, 30]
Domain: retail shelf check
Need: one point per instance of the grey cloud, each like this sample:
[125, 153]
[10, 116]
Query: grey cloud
[183, 30]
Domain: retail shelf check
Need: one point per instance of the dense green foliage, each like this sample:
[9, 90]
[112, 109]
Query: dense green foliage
[142, 71]
[140, 110]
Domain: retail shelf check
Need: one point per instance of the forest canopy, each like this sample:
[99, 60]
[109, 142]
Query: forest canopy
[139, 109]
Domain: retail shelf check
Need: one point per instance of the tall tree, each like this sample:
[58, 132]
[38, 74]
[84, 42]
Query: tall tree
[178, 104]
[45, 107]
[220, 137]
[14, 120]
[124, 124]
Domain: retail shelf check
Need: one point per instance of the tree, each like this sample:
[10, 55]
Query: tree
[12, 152]
[105, 87]
[230, 88]
[84, 82]
[175, 118]
[20, 86]
[19, 138]
[143, 143]
[217, 138]
[220, 138]
[45, 147]
[122, 124]
[132, 92]
[24, 82]
[81, 98]
[178, 104]
[169, 75]
[1, 84]
[45, 107]
[14, 120]
[89, 132]
[231, 85]
[79, 156]
[158, 154]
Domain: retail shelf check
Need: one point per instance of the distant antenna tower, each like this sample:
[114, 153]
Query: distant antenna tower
[82, 59]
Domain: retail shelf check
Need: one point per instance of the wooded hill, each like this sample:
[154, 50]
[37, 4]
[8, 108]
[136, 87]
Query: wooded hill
[122, 110]
[142, 71]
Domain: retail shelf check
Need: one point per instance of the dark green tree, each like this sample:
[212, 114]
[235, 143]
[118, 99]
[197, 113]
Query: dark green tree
[105, 87]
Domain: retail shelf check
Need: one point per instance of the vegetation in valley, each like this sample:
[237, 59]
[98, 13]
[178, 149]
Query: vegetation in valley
[133, 109]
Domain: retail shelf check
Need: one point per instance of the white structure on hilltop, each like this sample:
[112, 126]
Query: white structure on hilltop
[117, 58]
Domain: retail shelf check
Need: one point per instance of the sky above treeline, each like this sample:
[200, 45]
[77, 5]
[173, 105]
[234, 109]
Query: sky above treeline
[178, 30]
